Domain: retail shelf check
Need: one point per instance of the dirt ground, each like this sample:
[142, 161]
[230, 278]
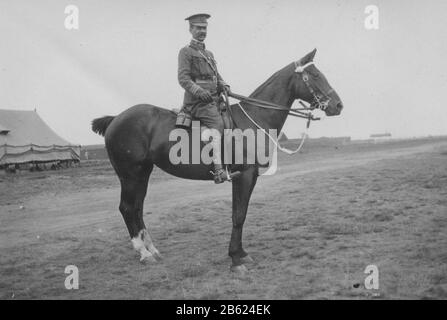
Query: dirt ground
[311, 229]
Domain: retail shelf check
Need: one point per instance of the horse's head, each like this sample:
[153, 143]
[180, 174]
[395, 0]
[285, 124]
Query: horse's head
[312, 86]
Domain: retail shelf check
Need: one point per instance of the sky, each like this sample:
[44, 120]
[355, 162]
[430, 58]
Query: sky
[391, 79]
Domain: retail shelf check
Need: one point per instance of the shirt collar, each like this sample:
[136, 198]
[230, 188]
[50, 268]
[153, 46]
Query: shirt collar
[197, 44]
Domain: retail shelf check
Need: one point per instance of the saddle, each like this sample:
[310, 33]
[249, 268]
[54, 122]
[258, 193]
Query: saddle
[184, 117]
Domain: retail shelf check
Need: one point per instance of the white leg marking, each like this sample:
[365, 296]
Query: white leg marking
[138, 245]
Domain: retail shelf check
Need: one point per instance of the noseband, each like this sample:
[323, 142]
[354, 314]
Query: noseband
[320, 101]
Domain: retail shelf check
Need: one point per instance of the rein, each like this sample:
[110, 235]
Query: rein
[269, 105]
[305, 112]
[296, 112]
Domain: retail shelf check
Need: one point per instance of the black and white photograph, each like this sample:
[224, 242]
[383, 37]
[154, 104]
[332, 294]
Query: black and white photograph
[238, 151]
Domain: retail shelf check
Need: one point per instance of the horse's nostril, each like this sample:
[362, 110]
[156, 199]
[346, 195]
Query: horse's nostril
[339, 106]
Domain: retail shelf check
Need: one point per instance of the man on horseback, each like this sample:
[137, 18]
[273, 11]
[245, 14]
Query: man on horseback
[198, 75]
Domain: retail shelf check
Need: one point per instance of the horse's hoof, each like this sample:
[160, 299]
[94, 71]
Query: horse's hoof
[240, 269]
[157, 256]
[155, 252]
[148, 259]
[247, 259]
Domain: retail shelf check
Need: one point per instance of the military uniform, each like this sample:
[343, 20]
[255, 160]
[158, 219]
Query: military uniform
[197, 70]
[198, 75]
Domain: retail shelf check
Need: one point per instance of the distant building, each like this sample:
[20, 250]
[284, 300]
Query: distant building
[94, 152]
[380, 137]
[330, 141]
[322, 142]
[3, 130]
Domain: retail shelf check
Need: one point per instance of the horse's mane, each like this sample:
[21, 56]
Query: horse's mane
[268, 81]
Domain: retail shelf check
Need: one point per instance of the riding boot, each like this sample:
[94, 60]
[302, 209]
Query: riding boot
[219, 173]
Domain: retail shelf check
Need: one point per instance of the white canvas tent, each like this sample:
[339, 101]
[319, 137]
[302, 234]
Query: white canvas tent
[25, 137]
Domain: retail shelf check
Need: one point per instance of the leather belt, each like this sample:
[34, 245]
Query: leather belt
[206, 79]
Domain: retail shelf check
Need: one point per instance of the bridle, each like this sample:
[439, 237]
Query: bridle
[318, 102]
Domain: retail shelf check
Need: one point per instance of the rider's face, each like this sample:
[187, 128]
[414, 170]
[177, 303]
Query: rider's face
[198, 32]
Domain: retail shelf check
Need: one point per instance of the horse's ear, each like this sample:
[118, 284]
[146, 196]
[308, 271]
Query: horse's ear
[309, 57]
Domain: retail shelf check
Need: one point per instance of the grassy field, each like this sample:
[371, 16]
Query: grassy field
[312, 228]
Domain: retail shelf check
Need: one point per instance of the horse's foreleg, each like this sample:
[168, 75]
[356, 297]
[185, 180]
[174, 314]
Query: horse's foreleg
[242, 189]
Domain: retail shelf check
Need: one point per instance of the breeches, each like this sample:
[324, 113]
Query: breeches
[209, 116]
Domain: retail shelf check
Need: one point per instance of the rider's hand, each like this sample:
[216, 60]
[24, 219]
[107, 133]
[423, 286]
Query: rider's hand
[223, 87]
[205, 96]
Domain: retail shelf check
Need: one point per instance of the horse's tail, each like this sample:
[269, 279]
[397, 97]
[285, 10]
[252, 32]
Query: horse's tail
[99, 125]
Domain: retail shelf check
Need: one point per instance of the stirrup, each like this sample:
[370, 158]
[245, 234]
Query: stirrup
[222, 175]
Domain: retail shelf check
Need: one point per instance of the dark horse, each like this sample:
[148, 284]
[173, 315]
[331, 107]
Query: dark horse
[137, 139]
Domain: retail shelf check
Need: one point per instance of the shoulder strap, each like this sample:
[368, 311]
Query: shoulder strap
[209, 62]
[213, 67]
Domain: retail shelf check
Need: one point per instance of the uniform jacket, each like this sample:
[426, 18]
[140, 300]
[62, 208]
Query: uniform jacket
[197, 70]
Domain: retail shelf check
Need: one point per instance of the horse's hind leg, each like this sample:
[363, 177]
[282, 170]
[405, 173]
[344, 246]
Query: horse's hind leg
[133, 192]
